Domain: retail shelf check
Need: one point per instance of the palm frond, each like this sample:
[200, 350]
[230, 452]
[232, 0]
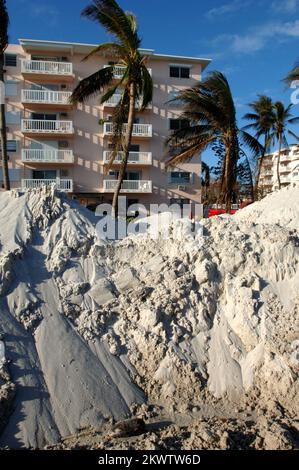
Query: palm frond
[4, 22]
[188, 152]
[293, 75]
[92, 85]
[293, 134]
[146, 88]
[109, 14]
[251, 142]
[111, 48]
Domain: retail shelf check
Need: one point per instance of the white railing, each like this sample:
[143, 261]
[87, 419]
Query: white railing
[120, 69]
[47, 155]
[47, 127]
[268, 173]
[61, 184]
[129, 186]
[284, 169]
[285, 179]
[45, 67]
[46, 96]
[285, 158]
[141, 158]
[267, 181]
[115, 99]
[139, 130]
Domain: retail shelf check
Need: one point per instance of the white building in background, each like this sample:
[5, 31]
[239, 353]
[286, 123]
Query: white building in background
[288, 169]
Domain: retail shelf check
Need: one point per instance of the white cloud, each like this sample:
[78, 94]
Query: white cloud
[285, 6]
[227, 8]
[257, 38]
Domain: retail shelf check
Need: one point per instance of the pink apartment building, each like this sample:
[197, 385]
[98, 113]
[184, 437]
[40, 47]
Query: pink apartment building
[50, 141]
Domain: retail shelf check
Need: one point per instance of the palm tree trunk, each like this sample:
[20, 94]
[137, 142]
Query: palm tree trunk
[3, 136]
[126, 149]
[278, 162]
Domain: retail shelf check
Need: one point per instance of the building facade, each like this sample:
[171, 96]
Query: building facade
[288, 170]
[51, 141]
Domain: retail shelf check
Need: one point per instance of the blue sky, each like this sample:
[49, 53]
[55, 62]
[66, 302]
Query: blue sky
[254, 42]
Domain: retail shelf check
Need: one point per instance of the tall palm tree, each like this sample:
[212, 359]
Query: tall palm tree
[262, 118]
[282, 119]
[136, 83]
[210, 110]
[4, 21]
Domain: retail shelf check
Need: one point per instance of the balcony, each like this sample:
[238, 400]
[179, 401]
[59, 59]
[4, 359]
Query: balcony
[65, 185]
[46, 128]
[38, 68]
[119, 71]
[135, 158]
[139, 130]
[285, 158]
[129, 186]
[60, 99]
[115, 99]
[285, 169]
[267, 181]
[267, 173]
[47, 156]
[285, 179]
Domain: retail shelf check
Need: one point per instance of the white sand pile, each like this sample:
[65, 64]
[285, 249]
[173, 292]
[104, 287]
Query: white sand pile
[208, 323]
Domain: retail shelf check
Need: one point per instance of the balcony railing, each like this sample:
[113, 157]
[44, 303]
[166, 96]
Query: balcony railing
[137, 158]
[115, 99]
[60, 184]
[47, 156]
[285, 179]
[129, 186]
[119, 71]
[36, 126]
[139, 130]
[48, 68]
[46, 97]
[267, 173]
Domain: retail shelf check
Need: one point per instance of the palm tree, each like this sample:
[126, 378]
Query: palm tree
[262, 119]
[4, 21]
[206, 180]
[210, 112]
[282, 119]
[293, 75]
[136, 82]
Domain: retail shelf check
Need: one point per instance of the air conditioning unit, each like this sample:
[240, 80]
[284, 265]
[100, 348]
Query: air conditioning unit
[181, 188]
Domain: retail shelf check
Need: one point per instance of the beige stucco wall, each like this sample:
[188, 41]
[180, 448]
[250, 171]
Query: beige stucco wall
[88, 142]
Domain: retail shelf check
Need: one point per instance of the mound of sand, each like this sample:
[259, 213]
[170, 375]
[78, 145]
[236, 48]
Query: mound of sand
[94, 329]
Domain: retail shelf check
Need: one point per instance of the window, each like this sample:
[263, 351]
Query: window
[134, 148]
[177, 124]
[44, 174]
[11, 88]
[63, 144]
[179, 177]
[43, 58]
[11, 145]
[177, 71]
[10, 60]
[13, 117]
[43, 117]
